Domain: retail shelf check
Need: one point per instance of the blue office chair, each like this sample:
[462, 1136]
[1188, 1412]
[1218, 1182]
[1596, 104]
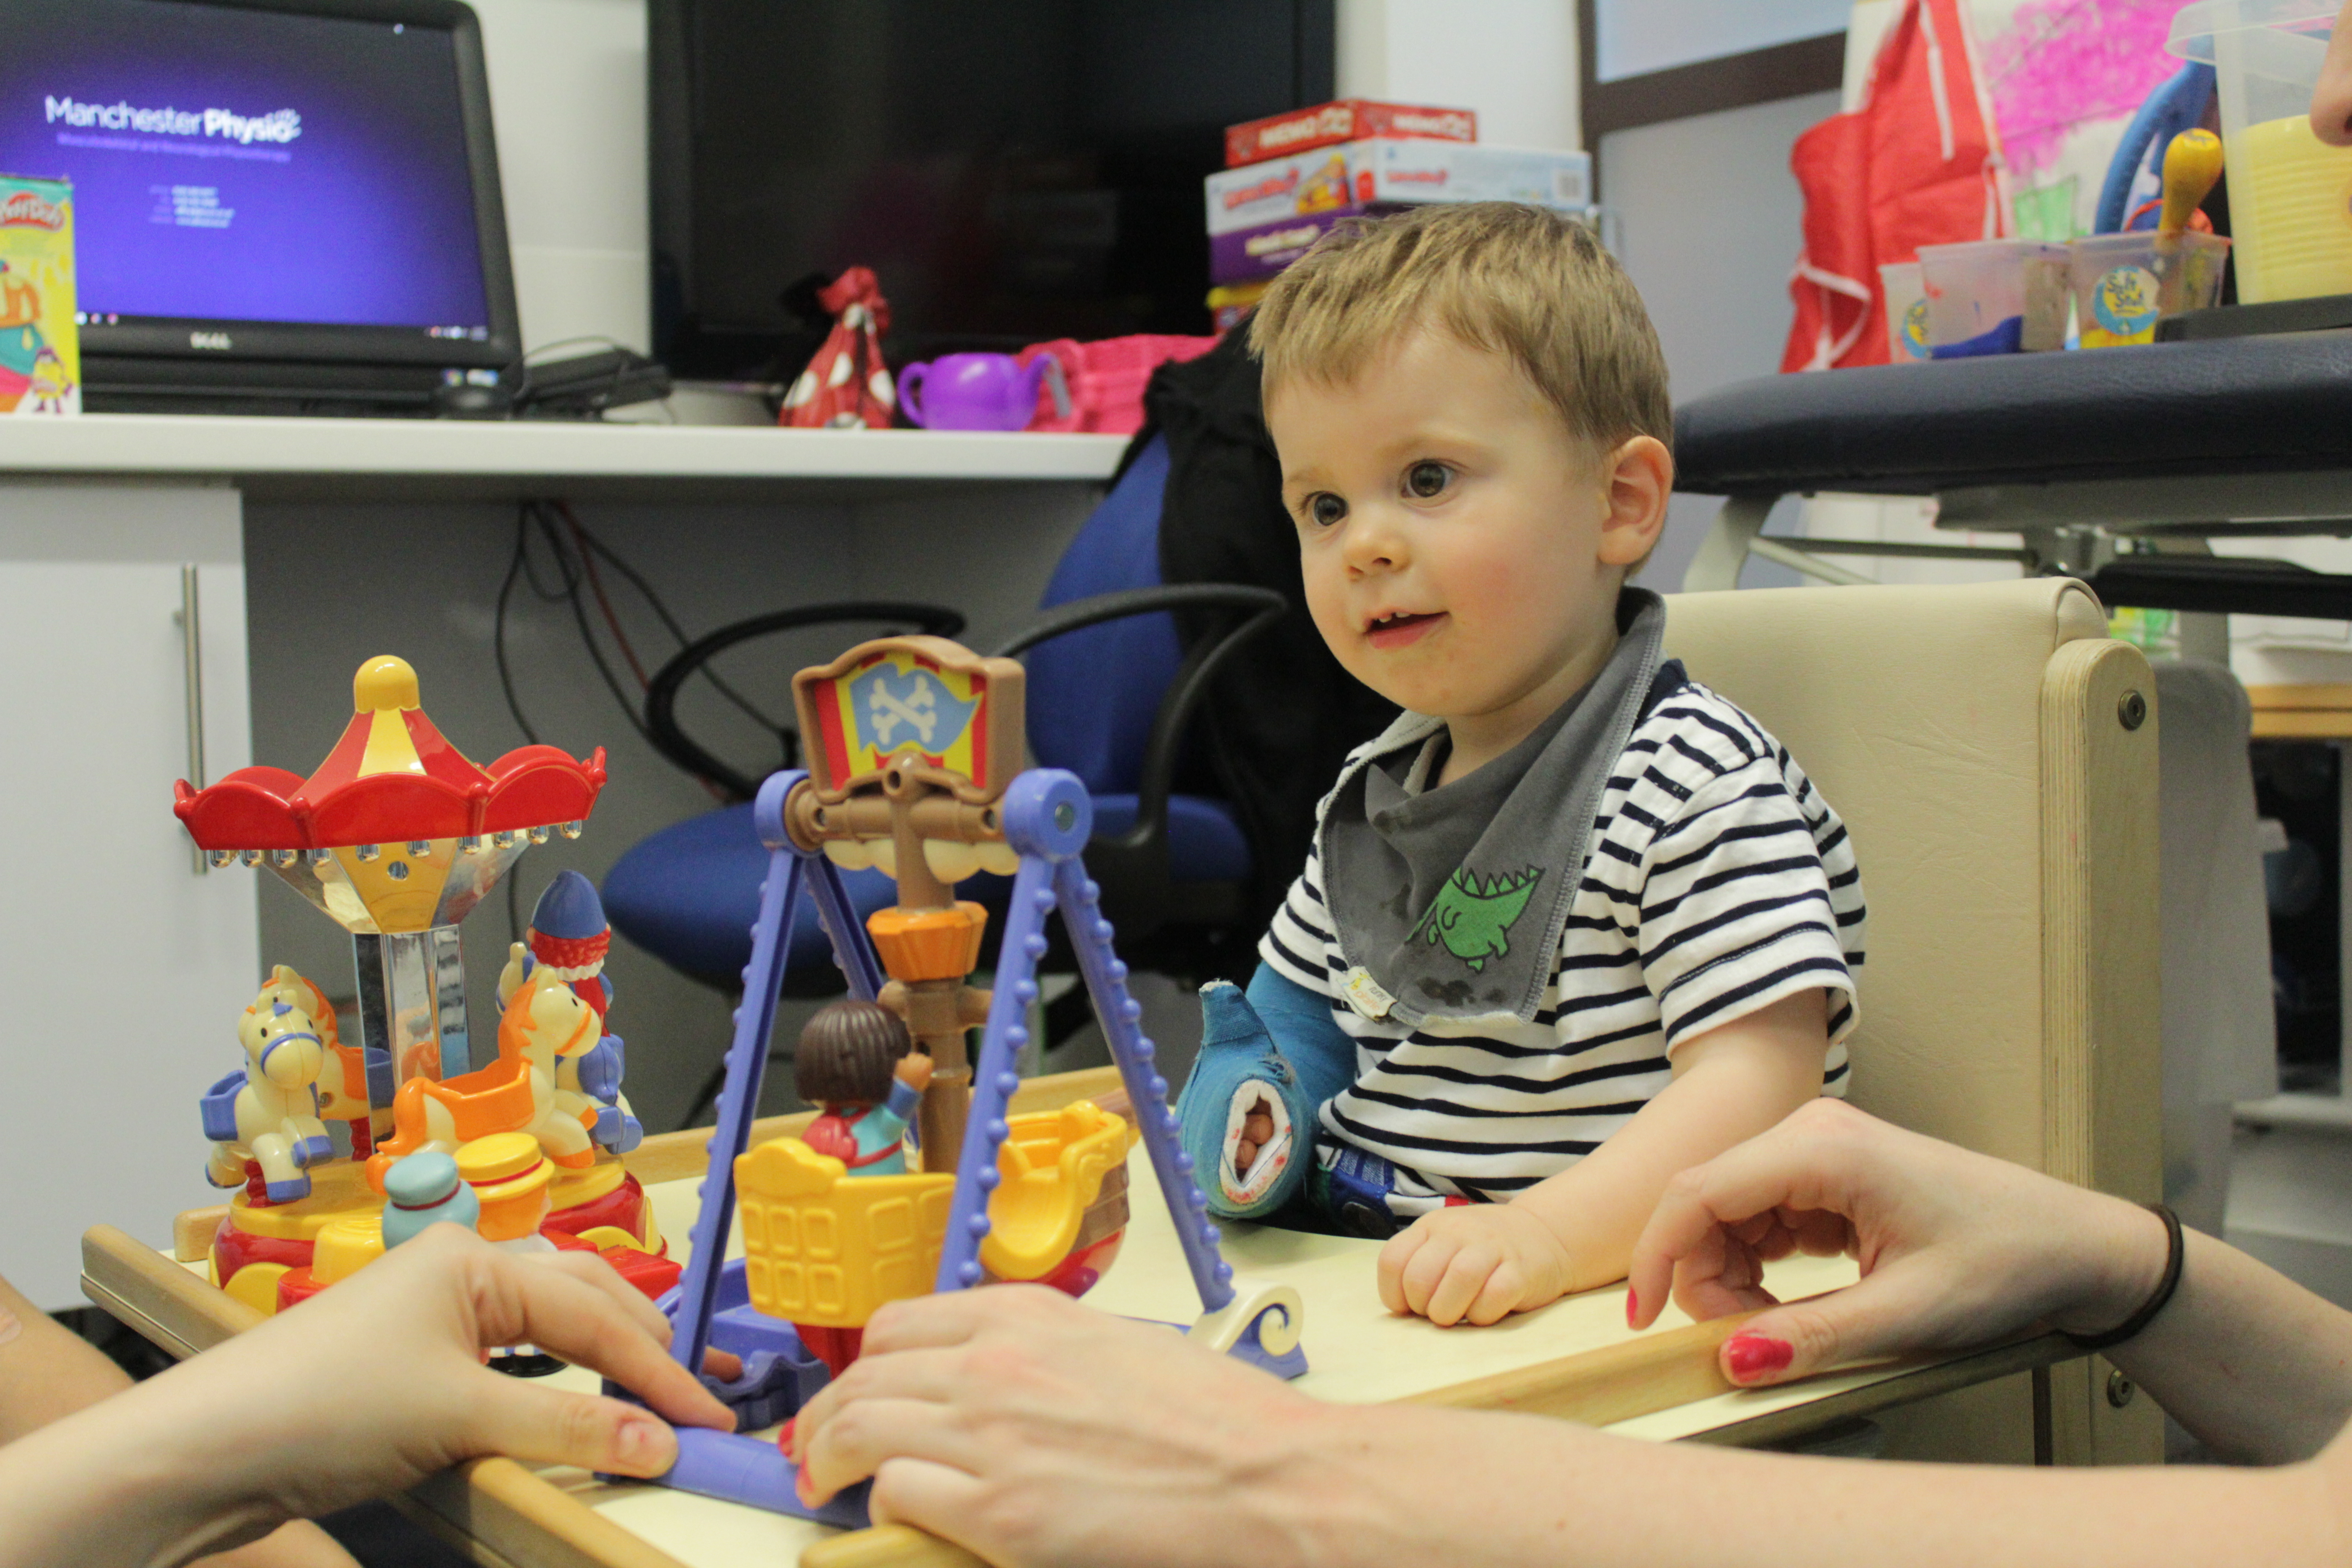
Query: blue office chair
[1111, 693]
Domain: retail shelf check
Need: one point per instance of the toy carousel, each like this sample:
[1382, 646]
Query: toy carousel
[397, 837]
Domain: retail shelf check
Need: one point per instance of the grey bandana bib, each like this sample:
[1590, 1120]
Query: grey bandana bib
[1448, 903]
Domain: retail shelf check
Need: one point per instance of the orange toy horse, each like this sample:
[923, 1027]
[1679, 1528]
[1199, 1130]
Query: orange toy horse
[516, 1093]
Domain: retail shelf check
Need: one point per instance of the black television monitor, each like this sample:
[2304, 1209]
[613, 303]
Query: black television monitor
[1013, 170]
[278, 202]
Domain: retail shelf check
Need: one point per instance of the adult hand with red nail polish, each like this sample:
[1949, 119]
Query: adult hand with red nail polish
[363, 1390]
[1957, 1248]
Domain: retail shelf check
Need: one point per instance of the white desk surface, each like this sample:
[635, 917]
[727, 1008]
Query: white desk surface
[1358, 1354]
[487, 457]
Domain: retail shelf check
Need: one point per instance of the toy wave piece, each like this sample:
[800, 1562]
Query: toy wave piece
[397, 837]
[916, 743]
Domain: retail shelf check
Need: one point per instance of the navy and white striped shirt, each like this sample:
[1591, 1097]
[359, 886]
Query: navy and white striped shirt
[1717, 880]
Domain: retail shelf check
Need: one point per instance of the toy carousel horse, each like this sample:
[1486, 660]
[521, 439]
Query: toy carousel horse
[268, 1116]
[343, 1087]
[516, 1093]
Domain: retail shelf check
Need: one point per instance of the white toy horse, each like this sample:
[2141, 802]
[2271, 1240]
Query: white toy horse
[345, 1092]
[269, 1113]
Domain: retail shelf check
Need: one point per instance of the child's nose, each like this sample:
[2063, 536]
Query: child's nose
[1374, 542]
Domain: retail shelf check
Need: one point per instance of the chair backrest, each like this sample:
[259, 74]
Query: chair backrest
[1993, 753]
[1093, 694]
[1974, 739]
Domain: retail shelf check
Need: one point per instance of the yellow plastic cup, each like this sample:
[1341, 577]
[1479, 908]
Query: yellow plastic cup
[2290, 193]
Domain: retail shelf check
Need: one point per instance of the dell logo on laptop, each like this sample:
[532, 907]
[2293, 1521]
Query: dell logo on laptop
[208, 340]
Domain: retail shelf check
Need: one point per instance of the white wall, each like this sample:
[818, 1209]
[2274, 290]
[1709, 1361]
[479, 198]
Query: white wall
[567, 97]
[1514, 61]
[1709, 222]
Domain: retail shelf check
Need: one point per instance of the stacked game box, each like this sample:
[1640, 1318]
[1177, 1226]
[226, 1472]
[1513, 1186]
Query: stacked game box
[1289, 178]
[41, 353]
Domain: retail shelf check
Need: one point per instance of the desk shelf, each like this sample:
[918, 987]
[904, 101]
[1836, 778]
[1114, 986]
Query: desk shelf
[301, 459]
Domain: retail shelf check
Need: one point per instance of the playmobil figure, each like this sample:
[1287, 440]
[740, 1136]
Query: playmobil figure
[272, 1120]
[856, 1062]
[424, 1189]
[1573, 922]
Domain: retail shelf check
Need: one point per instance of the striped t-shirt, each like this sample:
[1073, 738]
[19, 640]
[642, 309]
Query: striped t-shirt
[1717, 880]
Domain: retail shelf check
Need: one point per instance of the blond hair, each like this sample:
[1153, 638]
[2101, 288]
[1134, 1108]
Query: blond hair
[1500, 276]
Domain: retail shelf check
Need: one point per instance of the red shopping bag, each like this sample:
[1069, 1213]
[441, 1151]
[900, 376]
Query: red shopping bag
[1918, 163]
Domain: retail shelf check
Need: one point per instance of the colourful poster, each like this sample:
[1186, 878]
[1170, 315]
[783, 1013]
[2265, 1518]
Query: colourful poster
[40, 351]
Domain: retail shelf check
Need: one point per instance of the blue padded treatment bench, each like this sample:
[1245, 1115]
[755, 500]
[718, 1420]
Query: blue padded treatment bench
[2223, 406]
[2072, 450]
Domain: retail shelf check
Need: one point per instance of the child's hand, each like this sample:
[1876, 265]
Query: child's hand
[1475, 1262]
[914, 1070]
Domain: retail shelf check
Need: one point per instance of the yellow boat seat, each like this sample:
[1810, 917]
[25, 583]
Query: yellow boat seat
[827, 1249]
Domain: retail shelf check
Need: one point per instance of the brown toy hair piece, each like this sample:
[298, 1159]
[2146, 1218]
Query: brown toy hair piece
[847, 1052]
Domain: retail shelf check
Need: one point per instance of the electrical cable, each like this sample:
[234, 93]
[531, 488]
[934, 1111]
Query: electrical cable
[499, 630]
[603, 601]
[653, 600]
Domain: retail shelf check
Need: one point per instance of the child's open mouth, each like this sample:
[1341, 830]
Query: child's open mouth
[1402, 629]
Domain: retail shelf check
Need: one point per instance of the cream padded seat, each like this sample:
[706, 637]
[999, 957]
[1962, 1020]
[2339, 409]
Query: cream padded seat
[1993, 753]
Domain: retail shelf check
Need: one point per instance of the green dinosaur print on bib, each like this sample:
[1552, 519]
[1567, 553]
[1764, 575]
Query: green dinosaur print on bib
[1472, 916]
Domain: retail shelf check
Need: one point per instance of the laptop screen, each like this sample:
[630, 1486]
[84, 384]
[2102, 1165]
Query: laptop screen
[250, 165]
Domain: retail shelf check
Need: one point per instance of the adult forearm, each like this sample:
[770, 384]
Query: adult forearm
[121, 1484]
[2256, 1365]
[1485, 1492]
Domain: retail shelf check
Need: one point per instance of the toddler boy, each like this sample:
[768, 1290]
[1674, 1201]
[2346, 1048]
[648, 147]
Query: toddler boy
[1574, 922]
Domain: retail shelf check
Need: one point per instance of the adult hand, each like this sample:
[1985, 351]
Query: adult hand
[2331, 100]
[365, 1389]
[1035, 1430]
[1955, 1248]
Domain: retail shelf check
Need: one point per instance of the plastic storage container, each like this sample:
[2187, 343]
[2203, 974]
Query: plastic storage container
[2290, 193]
[2125, 283]
[1907, 312]
[1994, 296]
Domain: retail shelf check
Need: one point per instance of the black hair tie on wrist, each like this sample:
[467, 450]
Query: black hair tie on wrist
[2156, 1301]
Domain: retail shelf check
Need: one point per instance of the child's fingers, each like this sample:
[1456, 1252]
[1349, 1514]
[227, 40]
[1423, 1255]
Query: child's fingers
[1464, 1278]
[1425, 1270]
[1390, 1272]
[1504, 1292]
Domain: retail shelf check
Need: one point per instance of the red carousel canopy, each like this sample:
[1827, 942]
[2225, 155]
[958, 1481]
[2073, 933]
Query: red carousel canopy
[392, 779]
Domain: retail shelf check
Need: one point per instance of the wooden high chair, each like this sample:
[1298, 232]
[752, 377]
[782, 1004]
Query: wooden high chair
[1993, 753]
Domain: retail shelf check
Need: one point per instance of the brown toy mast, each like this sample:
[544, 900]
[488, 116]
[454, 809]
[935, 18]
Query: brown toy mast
[911, 741]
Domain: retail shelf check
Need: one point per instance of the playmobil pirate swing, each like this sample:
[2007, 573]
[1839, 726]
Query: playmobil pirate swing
[914, 743]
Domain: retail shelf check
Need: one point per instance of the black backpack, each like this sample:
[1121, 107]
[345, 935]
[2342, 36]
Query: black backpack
[1282, 716]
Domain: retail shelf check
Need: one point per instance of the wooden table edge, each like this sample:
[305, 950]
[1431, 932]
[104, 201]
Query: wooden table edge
[510, 1517]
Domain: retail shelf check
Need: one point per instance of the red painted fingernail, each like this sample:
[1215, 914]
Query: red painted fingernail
[1632, 1307]
[784, 1437]
[1751, 1356]
[801, 1489]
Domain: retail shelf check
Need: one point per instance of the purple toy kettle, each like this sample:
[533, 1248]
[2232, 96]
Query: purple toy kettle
[980, 391]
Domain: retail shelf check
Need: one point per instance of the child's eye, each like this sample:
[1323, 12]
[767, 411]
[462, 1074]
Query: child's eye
[1427, 480]
[1325, 510]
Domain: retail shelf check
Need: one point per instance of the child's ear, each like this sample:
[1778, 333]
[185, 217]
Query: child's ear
[1639, 479]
